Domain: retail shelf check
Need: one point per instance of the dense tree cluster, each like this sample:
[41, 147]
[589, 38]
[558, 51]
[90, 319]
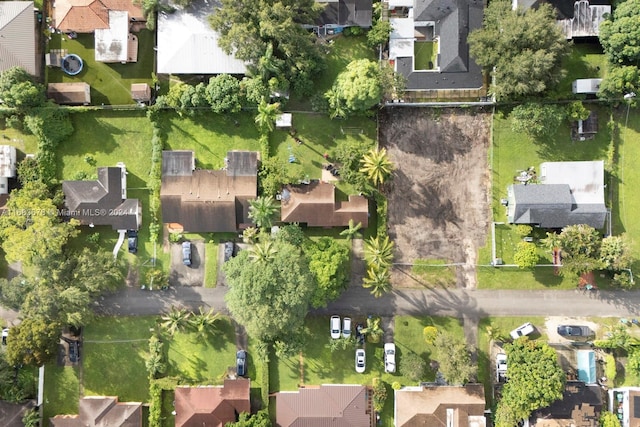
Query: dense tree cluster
[620, 39]
[454, 358]
[523, 50]
[356, 89]
[535, 380]
[269, 35]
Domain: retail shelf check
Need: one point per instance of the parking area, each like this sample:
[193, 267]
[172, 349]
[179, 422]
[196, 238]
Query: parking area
[183, 275]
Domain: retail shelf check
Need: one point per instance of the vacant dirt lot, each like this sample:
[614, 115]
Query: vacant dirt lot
[439, 195]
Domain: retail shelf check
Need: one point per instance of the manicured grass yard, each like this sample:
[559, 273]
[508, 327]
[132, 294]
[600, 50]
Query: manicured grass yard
[585, 61]
[319, 135]
[425, 55]
[115, 351]
[210, 135]
[61, 391]
[110, 83]
[24, 143]
[513, 152]
[200, 360]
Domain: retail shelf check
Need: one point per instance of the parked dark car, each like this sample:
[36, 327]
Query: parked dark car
[574, 331]
[186, 253]
[228, 251]
[74, 351]
[132, 238]
[241, 363]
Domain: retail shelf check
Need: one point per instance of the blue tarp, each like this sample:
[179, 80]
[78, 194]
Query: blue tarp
[586, 366]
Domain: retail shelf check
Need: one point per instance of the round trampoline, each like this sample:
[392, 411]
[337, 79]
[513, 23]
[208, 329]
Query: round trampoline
[72, 64]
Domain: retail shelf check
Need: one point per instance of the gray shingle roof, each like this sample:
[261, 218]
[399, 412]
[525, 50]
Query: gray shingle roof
[18, 47]
[347, 13]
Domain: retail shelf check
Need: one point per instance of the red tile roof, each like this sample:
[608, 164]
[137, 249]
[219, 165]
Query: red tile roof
[212, 406]
[85, 16]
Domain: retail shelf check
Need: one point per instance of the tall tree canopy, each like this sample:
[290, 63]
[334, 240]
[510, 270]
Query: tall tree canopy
[271, 29]
[329, 263]
[356, 89]
[620, 35]
[270, 299]
[454, 358]
[535, 381]
[524, 50]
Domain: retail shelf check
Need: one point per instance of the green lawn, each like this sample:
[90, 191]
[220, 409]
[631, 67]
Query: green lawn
[425, 55]
[115, 350]
[585, 61]
[24, 143]
[110, 83]
[513, 152]
[210, 135]
[61, 391]
[204, 361]
[319, 135]
[431, 271]
[211, 265]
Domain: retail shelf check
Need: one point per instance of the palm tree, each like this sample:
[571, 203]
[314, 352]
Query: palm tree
[378, 280]
[249, 235]
[373, 331]
[262, 252]
[204, 321]
[155, 365]
[267, 115]
[353, 231]
[175, 320]
[262, 210]
[378, 253]
[377, 166]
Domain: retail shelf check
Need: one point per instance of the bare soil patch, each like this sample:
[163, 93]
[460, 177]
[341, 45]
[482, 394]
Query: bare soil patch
[439, 194]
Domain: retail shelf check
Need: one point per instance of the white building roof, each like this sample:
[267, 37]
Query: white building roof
[586, 85]
[401, 38]
[284, 120]
[111, 43]
[7, 161]
[188, 45]
[585, 179]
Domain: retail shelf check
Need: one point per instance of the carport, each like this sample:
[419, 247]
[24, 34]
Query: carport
[586, 366]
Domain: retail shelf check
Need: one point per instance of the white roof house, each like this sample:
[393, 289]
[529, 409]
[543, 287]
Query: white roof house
[18, 47]
[585, 179]
[112, 42]
[7, 167]
[188, 45]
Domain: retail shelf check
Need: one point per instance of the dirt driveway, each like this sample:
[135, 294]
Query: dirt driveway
[182, 275]
[439, 194]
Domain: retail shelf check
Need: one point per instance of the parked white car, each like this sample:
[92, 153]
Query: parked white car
[390, 357]
[335, 327]
[346, 327]
[522, 331]
[501, 367]
[360, 360]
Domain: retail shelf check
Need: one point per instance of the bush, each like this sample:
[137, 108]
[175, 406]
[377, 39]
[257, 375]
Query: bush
[264, 385]
[93, 238]
[412, 366]
[155, 405]
[430, 333]
[175, 237]
[379, 389]
[523, 230]
[381, 209]
[14, 122]
[610, 370]
[396, 385]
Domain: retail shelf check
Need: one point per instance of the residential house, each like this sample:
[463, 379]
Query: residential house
[339, 14]
[11, 413]
[580, 406]
[569, 193]
[581, 18]
[440, 406]
[110, 22]
[315, 205]
[101, 411]
[8, 161]
[188, 45]
[625, 403]
[140, 92]
[338, 405]
[212, 406]
[78, 93]
[198, 200]
[104, 201]
[17, 31]
[441, 27]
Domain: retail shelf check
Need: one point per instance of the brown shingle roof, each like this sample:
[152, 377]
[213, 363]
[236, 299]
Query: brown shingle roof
[315, 205]
[70, 93]
[431, 405]
[140, 92]
[212, 406]
[208, 200]
[99, 411]
[85, 16]
[324, 406]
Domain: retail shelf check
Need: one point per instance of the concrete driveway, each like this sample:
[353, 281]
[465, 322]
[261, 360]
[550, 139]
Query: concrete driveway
[182, 275]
